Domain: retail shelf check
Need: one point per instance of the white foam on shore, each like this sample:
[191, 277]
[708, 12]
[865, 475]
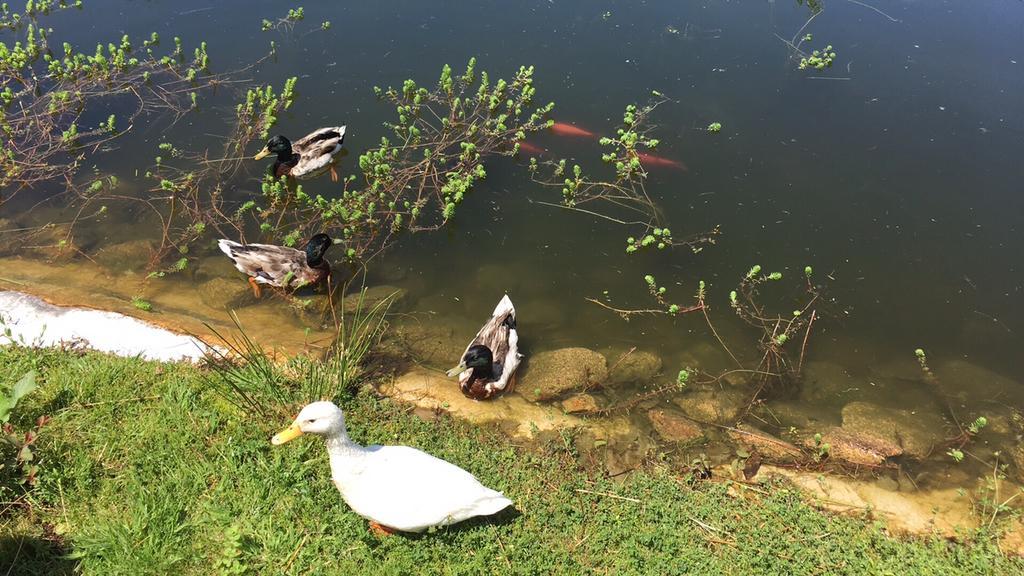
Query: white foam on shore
[33, 322]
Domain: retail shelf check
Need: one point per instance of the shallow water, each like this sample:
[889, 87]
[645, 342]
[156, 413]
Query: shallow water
[895, 173]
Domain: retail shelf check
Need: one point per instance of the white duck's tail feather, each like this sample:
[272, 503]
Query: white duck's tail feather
[226, 246]
[505, 305]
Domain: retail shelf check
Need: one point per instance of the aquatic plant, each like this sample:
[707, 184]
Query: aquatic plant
[288, 21]
[412, 181]
[818, 59]
[46, 91]
[141, 303]
[621, 197]
[715, 127]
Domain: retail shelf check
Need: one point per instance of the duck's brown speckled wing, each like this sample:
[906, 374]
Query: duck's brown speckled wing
[316, 151]
[268, 264]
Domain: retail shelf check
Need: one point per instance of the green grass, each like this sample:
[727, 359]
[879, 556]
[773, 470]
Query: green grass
[145, 472]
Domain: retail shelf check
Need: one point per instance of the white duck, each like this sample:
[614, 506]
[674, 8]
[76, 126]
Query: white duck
[397, 488]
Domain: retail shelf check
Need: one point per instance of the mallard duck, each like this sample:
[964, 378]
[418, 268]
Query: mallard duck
[307, 157]
[492, 357]
[280, 266]
[396, 488]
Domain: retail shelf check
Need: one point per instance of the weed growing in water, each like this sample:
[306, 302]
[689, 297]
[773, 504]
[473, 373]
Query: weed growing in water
[141, 303]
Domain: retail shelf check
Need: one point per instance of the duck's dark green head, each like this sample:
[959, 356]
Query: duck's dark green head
[316, 247]
[479, 358]
[277, 145]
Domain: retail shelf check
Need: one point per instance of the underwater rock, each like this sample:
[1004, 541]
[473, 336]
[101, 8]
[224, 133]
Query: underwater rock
[216, 267]
[555, 372]
[737, 379]
[522, 419]
[373, 296]
[673, 426]
[799, 415]
[54, 242]
[637, 367]
[580, 403]
[855, 447]
[772, 448]
[224, 294]
[914, 433]
[713, 405]
[829, 383]
[622, 458]
[962, 379]
[947, 512]
[391, 273]
[429, 342]
[129, 256]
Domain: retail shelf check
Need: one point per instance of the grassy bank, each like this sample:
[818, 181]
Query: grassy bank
[144, 472]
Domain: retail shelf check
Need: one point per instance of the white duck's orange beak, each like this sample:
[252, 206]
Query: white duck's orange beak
[287, 435]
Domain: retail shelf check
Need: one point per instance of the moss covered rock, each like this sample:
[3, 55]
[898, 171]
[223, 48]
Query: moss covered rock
[551, 374]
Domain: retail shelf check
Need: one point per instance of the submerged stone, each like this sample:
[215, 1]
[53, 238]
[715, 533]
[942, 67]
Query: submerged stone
[772, 448]
[433, 391]
[914, 433]
[224, 294]
[713, 405]
[580, 403]
[856, 447]
[429, 342]
[636, 367]
[553, 373]
[673, 426]
[130, 256]
[367, 300]
[829, 383]
[963, 379]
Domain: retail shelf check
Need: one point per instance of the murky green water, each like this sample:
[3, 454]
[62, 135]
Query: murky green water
[895, 172]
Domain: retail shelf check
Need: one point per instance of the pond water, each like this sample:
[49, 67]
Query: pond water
[894, 173]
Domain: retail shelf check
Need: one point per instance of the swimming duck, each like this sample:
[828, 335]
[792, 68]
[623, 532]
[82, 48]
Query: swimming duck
[307, 157]
[280, 266]
[492, 357]
[396, 488]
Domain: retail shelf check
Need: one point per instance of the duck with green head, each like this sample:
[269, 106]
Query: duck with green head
[307, 157]
[280, 266]
[492, 357]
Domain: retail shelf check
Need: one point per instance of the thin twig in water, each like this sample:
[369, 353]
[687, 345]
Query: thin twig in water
[857, 2]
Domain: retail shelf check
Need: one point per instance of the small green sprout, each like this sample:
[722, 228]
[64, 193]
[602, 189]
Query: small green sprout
[142, 304]
[956, 454]
[683, 378]
[715, 127]
[976, 426]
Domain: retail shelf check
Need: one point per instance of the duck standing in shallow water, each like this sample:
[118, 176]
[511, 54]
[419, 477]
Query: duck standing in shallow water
[307, 157]
[280, 266]
[396, 488]
[491, 359]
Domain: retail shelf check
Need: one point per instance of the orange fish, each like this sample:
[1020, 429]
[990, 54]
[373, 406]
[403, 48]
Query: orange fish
[651, 161]
[525, 146]
[563, 129]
